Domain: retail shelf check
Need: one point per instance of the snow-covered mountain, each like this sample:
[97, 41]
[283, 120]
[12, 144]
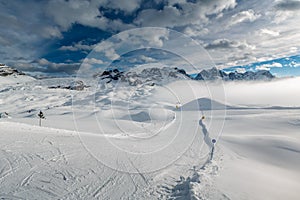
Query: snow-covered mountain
[163, 75]
[148, 76]
[9, 75]
[216, 74]
[7, 71]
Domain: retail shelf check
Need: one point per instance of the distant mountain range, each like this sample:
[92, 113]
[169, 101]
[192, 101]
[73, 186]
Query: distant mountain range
[166, 74]
[215, 74]
[156, 75]
[149, 76]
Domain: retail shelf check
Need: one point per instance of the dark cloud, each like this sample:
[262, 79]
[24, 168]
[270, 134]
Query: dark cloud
[245, 56]
[80, 46]
[45, 66]
[182, 13]
[227, 44]
[66, 13]
[288, 5]
[51, 67]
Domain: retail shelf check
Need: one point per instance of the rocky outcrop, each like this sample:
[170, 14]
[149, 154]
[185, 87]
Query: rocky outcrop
[7, 71]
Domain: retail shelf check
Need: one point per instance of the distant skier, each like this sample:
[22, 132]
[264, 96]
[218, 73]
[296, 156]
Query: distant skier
[178, 105]
[212, 149]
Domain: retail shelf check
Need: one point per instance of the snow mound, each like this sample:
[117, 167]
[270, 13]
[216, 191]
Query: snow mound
[156, 114]
[139, 117]
[204, 104]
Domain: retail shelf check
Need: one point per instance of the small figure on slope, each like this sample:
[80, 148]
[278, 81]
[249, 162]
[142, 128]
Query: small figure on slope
[178, 105]
[213, 148]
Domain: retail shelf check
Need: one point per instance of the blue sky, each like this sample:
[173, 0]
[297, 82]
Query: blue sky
[56, 36]
[281, 67]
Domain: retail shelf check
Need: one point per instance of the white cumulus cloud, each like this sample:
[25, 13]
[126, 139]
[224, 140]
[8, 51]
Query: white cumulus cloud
[244, 16]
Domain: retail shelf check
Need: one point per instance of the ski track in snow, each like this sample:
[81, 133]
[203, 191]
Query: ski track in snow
[51, 163]
[45, 170]
[48, 163]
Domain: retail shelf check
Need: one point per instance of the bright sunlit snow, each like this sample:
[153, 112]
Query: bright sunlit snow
[150, 141]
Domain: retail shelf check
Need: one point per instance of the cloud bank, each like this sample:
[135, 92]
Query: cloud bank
[233, 32]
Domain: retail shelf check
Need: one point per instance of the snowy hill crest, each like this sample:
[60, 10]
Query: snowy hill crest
[9, 75]
[7, 71]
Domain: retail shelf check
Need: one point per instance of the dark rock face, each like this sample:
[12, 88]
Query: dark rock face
[77, 85]
[7, 71]
[182, 71]
[109, 75]
[150, 76]
[211, 74]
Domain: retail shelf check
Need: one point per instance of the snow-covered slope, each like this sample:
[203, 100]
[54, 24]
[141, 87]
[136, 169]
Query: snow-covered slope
[150, 141]
[9, 75]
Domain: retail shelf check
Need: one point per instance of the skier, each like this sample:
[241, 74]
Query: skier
[178, 105]
[213, 148]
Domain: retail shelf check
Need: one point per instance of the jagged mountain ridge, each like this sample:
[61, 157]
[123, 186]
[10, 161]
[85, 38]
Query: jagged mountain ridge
[149, 76]
[215, 74]
[154, 75]
[166, 74]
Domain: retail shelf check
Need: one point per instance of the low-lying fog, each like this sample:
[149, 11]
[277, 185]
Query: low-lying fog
[281, 92]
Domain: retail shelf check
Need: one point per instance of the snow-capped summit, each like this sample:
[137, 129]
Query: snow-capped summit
[215, 74]
[6, 71]
[155, 75]
[250, 75]
[149, 76]
[210, 74]
[9, 75]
